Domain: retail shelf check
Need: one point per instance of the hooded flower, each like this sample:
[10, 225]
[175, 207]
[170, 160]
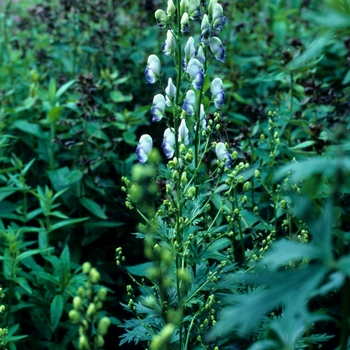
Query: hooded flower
[222, 154]
[219, 20]
[190, 52]
[168, 144]
[170, 91]
[184, 134]
[189, 102]
[217, 48]
[200, 55]
[202, 119]
[194, 11]
[152, 70]
[207, 32]
[195, 71]
[169, 45]
[217, 92]
[158, 108]
[171, 9]
[161, 18]
[185, 23]
[144, 148]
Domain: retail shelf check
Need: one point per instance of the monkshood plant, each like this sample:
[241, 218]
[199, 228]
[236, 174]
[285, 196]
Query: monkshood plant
[192, 230]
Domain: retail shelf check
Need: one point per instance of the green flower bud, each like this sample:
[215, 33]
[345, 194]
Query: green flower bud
[191, 192]
[162, 19]
[91, 311]
[171, 9]
[175, 175]
[182, 148]
[77, 303]
[246, 186]
[102, 294]
[257, 174]
[184, 178]
[262, 137]
[159, 341]
[103, 325]
[83, 343]
[184, 275]
[99, 341]
[86, 267]
[74, 316]
[94, 275]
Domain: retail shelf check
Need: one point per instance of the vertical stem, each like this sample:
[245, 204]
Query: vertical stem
[52, 154]
[240, 228]
[345, 306]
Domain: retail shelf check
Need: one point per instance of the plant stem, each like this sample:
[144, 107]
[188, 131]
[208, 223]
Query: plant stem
[345, 303]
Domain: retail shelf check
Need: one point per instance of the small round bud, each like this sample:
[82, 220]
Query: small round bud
[246, 186]
[91, 311]
[77, 303]
[83, 343]
[191, 192]
[184, 178]
[99, 341]
[103, 325]
[257, 174]
[102, 294]
[86, 267]
[94, 275]
[74, 316]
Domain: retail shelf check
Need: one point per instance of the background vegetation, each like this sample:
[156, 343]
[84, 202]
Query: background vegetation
[73, 104]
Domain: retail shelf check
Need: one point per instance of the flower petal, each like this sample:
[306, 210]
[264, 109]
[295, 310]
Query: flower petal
[217, 91]
[152, 70]
[219, 20]
[184, 134]
[168, 144]
[217, 48]
[189, 102]
[195, 71]
[170, 91]
[169, 45]
[158, 108]
[222, 153]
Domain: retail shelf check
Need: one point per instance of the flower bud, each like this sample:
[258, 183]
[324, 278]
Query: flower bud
[184, 178]
[74, 316]
[191, 192]
[175, 175]
[257, 174]
[77, 303]
[102, 294]
[246, 186]
[91, 311]
[83, 343]
[99, 341]
[103, 325]
[94, 275]
[171, 9]
[185, 23]
[86, 268]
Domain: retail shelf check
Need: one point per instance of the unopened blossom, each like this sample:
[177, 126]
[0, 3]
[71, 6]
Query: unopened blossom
[193, 10]
[201, 55]
[183, 6]
[217, 48]
[189, 102]
[169, 45]
[218, 20]
[190, 51]
[170, 91]
[168, 144]
[158, 108]
[185, 23]
[144, 148]
[152, 70]
[184, 134]
[217, 92]
[211, 7]
[162, 19]
[171, 9]
[222, 153]
[202, 119]
[195, 71]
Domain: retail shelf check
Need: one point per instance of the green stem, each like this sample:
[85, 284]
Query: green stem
[240, 227]
[345, 303]
[52, 154]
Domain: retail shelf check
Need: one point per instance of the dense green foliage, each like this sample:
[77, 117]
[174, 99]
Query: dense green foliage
[210, 255]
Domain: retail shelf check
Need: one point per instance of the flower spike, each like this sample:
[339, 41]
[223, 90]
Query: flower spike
[144, 148]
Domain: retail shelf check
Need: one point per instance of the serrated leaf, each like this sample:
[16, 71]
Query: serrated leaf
[23, 283]
[93, 207]
[56, 309]
[68, 222]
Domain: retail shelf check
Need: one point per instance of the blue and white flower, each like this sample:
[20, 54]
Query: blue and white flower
[170, 91]
[144, 148]
[193, 9]
[217, 92]
[169, 45]
[185, 23]
[202, 118]
[206, 30]
[158, 108]
[152, 70]
[168, 144]
[195, 71]
[190, 52]
[222, 154]
[218, 18]
[189, 102]
[217, 48]
[184, 134]
[162, 19]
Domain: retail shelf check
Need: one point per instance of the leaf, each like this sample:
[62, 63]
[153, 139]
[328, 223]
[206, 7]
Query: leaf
[30, 253]
[93, 207]
[29, 128]
[68, 222]
[141, 269]
[23, 283]
[304, 144]
[56, 309]
[63, 268]
[117, 96]
[130, 138]
[55, 113]
[64, 88]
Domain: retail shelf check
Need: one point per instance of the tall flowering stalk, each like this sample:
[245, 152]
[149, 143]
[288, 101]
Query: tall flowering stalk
[178, 243]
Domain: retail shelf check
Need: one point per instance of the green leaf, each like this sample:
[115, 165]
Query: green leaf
[30, 253]
[55, 113]
[117, 96]
[130, 138]
[63, 267]
[141, 269]
[29, 128]
[23, 283]
[92, 207]
[304, 144]
[68, 222]
[56, 309]
[64, 88]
